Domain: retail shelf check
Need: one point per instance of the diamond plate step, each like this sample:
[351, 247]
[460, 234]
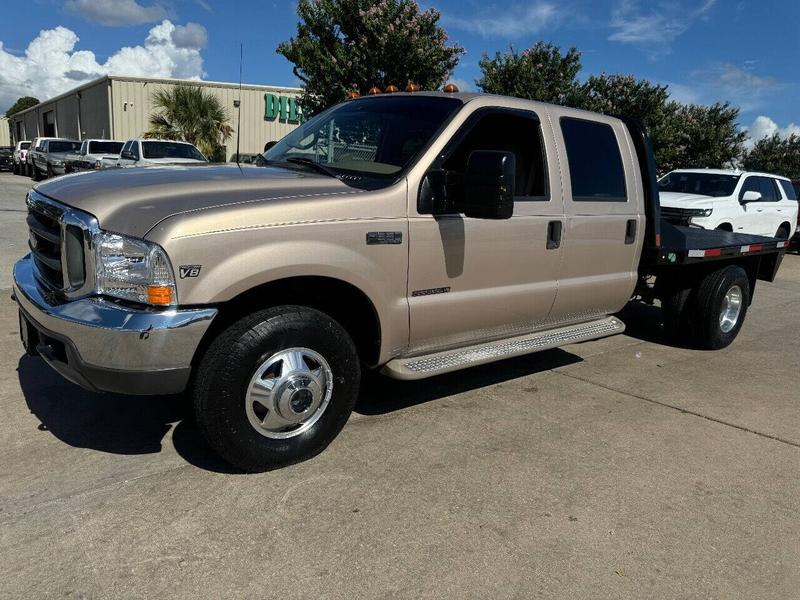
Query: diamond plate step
[428, 365]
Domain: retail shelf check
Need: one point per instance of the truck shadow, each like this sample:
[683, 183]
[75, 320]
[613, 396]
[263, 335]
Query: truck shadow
[644, 322]
[381, 395]
[112, 423]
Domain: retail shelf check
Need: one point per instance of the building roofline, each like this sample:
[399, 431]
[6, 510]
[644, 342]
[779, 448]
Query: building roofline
[104, 78]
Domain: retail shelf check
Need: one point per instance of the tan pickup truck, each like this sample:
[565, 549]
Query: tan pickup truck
[412, 233]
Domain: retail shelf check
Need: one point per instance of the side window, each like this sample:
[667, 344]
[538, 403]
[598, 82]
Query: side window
[768, 191]
[595, 163]
[84, 148]
[788, 189]
[135, 149]
[513, 132]
[751, 184]
[125, 147]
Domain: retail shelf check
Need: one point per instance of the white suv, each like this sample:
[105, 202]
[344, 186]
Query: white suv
[739, 201]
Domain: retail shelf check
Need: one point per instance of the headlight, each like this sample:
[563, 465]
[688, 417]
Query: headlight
[57, 163]
[133, 269]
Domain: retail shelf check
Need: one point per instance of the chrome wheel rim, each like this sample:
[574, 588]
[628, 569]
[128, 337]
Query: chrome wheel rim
[288, 393]
[731, 309]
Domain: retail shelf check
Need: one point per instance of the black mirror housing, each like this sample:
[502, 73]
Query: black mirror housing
[489, 192]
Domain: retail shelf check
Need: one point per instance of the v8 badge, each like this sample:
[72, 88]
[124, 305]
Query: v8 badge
[189, 271]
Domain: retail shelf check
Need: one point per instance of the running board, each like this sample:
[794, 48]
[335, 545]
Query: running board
[428, 365]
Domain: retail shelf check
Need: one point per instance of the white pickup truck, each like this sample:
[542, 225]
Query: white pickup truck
[742, 202]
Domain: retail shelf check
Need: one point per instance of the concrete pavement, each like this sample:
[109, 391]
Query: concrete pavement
[612, 469]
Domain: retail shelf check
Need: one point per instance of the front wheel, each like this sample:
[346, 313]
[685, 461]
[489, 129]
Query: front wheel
[276, 387]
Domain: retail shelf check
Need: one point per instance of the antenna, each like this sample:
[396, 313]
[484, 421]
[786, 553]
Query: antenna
[238, 104]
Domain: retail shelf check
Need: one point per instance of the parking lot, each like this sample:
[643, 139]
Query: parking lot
[617, 468]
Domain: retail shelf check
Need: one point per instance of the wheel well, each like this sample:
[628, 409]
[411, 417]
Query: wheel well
[725, 227]
[786, 226]
[339, 300]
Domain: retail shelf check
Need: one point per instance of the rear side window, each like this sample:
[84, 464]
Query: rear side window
[595, 163]
[788, 189]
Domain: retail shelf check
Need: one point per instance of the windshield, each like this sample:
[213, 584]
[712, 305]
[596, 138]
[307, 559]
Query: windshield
[170, 150]
[704, 184]
[105, 147]
[63, 146]
[6, 151]
[374, 138]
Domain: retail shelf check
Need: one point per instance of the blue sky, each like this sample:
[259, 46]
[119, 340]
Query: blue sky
[743, 51]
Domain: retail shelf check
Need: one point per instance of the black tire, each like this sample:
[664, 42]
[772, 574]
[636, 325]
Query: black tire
[224, 373]
[782, 233]
[14, 168]
[704, 315]
[676, 318]
[35, 173]
[49, 172]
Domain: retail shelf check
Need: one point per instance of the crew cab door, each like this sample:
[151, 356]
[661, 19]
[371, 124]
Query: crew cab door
[760, 217]
[604, 230]
[471, 279]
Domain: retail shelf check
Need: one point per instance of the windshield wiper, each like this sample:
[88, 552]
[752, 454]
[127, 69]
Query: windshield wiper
[302, 160]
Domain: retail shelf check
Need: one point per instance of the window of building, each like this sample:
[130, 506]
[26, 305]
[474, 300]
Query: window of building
[595, 163]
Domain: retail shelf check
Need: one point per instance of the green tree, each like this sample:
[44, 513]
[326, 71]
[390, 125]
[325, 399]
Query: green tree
[705, 136]
[541, 72]
[682, 135]
[20, 105]
[775, 154]
[353, 45]
[188, 113]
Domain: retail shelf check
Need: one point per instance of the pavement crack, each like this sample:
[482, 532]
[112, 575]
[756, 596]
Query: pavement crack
[687, 411]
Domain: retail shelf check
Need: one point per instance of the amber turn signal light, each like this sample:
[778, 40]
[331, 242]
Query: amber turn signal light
[160, 295]
[374, 90]
[392, 89]
[352, 94]
[451, 88]
[412, 87]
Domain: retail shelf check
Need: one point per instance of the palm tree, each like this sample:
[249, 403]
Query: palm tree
[186, 112]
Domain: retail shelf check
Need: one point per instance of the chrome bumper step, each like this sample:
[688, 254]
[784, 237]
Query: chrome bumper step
[428, 365]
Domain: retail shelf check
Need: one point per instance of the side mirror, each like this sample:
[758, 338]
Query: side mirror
[489, 189]
[751, 196]
[127, 154]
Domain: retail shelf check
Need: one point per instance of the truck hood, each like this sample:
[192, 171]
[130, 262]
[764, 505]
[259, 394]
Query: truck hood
[681, 200]
[167, 160]
[133, 201]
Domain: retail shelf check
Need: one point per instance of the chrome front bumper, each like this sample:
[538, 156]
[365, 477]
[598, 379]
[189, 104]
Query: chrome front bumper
[104, 346]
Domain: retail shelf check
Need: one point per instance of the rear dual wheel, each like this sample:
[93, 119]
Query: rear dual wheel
[276, 387]
[709, 315]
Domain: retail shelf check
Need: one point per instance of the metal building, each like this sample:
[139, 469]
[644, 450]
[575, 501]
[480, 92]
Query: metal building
[5, 133]
[117, 107]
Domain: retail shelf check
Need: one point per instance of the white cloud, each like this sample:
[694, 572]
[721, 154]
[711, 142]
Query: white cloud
[658, 25]
[765, 127]
[116, 13]
[191, 35]
[508, 22]
[51, 65]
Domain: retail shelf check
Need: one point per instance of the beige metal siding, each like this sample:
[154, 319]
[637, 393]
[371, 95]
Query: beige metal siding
[132, 104]
[5, 133]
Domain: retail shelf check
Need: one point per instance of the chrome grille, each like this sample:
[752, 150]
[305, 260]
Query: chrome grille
[60, 239]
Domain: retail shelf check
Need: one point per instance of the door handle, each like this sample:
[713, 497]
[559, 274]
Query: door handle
[553, 235]
[630, 231]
